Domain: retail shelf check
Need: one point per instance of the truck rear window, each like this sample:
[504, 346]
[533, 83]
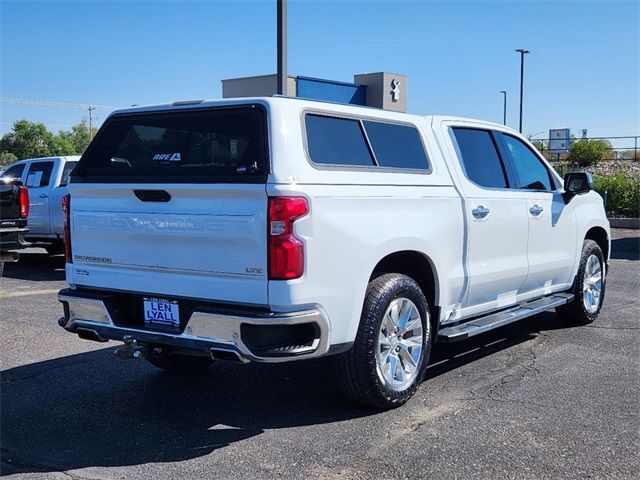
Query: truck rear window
[217, 145]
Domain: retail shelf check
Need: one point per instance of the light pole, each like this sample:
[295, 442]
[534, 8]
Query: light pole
[282, 47]
[522, 51]
[504, 107]
[91, 109]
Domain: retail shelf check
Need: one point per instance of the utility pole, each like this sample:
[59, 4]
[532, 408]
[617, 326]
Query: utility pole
[282, 76]
[504, 107]
[91, 109]
[522, 51]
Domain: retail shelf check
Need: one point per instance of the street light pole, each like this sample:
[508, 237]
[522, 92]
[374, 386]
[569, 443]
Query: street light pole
[504, 107]
[522, 51]
[282, 47]
[91, 109]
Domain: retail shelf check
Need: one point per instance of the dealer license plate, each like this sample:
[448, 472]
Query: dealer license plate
[159, 311]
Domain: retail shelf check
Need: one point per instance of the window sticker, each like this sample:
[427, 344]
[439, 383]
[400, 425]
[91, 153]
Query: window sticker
[233, 147]
[34, 179]
[167, 157]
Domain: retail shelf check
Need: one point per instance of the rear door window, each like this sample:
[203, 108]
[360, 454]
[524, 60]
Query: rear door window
[197, 146]
[480, 160]
[38, 175]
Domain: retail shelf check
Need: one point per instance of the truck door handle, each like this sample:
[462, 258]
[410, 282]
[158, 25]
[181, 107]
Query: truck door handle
[480, 211]
[43, 195]
[536, 210]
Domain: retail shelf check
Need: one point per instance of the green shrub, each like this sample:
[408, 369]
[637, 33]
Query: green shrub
[6, 158]
[622, 192]
[587, 152]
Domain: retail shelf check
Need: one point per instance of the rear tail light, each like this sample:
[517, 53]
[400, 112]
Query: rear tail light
[24, 202]
[286, 251]
[66, 208]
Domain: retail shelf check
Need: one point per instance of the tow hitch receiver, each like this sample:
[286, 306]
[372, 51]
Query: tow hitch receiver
[130, 349]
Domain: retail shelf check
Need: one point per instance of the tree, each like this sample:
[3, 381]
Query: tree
[78, 136]
[539, 144]
[61, 146]
[29, 140]
[587, 152]
[6, 158]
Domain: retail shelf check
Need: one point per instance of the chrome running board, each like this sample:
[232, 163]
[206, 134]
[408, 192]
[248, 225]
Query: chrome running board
[468, 329]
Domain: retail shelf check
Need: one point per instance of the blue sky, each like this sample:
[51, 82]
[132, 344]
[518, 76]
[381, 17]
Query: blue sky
[583, 70]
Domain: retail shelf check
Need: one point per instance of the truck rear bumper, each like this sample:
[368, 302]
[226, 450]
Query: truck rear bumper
[13, 238]
[260, 337]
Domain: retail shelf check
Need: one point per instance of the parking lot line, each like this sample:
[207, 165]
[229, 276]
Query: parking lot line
[27, 293]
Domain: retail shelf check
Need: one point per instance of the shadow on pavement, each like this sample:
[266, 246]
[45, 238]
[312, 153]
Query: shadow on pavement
[36, 265]
[627, 248]
[91, 410]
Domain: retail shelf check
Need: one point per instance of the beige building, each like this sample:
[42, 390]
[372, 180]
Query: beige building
[381, 89]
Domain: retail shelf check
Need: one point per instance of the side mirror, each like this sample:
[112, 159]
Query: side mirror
[576, 183]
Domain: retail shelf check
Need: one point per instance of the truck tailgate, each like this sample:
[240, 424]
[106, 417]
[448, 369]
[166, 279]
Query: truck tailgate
[207, 241]
[9, 199]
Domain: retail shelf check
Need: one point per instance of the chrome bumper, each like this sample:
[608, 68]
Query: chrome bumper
[206, 331]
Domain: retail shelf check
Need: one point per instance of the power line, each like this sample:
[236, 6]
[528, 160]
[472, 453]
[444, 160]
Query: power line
[49, 103]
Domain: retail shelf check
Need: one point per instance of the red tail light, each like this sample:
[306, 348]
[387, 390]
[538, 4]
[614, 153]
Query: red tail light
[24, 202]
[286, 251]
[66, 208]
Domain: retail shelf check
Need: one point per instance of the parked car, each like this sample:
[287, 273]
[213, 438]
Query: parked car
[279, 229]
[14, 210]
[46, 178]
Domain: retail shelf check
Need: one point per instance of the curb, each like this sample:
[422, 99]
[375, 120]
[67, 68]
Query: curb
[631, 223]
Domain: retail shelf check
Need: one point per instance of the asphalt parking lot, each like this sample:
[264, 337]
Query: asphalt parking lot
[536, 399]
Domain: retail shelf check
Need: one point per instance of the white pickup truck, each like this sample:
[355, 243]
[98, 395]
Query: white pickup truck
[278, 229]
[46, 178]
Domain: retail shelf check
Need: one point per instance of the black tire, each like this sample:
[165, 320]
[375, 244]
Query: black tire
[575, 312]
[357, 370]
[55, 248]
[179, 363]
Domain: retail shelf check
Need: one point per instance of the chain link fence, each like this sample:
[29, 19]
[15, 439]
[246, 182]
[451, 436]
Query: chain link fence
[620, 148]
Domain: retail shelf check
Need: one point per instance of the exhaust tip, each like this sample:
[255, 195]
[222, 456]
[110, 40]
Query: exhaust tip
[88, 334]
[9, 257]
[226, 354]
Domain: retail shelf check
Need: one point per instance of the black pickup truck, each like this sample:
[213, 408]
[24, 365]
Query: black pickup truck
[14, 210]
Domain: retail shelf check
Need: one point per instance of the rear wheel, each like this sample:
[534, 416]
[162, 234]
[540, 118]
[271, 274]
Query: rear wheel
[180, 363]
[588, 288]
[390, 354]
[56, 248]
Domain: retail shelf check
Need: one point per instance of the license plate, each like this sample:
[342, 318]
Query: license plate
[159, 311]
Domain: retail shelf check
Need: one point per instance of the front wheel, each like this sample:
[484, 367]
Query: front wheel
[588, 288]
[389, 357]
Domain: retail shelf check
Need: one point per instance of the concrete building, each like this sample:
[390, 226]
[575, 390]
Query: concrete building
[381, 90]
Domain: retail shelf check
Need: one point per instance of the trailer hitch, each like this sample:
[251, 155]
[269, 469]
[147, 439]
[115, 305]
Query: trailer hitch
[130, 349]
